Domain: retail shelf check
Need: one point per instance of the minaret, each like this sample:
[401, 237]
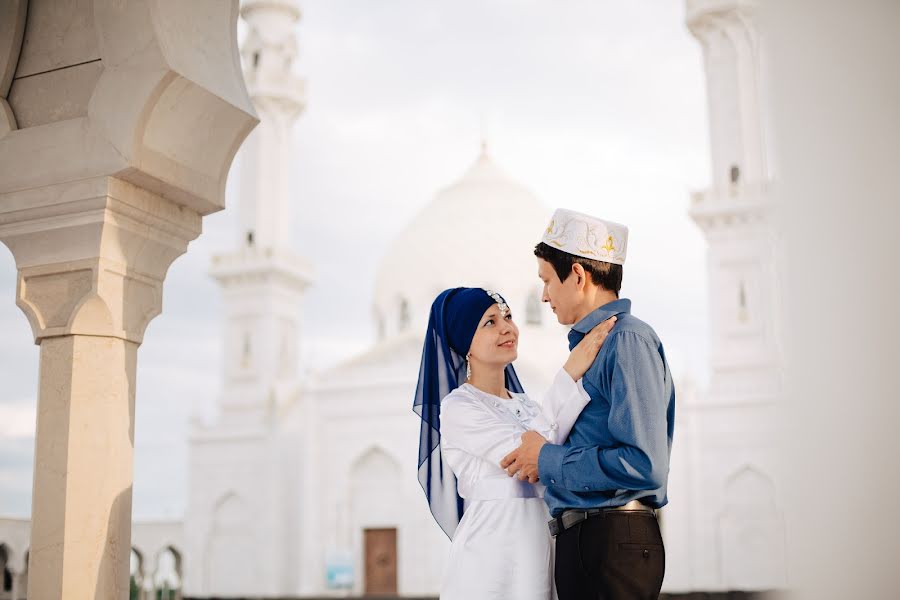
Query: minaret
[262, 279]
[736, 537]
[240, 474]
[734, 212]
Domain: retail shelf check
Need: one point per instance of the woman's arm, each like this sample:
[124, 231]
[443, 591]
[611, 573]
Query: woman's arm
[562, 405]
[469, 425]
[566, 397]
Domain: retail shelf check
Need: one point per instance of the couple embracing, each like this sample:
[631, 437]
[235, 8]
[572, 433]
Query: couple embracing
[556, 499]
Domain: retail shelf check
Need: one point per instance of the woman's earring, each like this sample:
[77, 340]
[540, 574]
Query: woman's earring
[468, 368]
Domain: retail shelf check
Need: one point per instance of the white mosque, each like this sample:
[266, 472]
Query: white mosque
[305, 486]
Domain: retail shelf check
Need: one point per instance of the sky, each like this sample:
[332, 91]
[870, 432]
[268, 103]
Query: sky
[594, 105]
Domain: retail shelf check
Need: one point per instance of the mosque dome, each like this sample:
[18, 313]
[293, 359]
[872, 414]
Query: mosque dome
[479, 231]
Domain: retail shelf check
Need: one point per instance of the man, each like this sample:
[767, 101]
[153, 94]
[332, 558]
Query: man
[605, 482]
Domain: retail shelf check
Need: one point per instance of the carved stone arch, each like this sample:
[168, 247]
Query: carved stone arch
[12, 34]
[153, 110]
[137, 567]
[177, 554]
[373, 456]
[162, 576]
[170, 548]
[751, 533]
[138, 554]
[748, 482]
[127, 116]
[228, 508]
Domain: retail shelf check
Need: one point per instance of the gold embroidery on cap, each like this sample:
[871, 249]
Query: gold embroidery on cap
[610, 246]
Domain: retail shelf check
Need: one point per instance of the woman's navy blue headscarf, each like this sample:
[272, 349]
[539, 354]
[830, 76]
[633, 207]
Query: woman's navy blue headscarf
[454, 319]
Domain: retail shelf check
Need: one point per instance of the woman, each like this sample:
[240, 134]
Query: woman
[474, 412]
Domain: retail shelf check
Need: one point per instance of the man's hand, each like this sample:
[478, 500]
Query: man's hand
[523, 461]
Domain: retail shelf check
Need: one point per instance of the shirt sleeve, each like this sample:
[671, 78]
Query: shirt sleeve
[562, 405]
[470, 426]
[637, 457]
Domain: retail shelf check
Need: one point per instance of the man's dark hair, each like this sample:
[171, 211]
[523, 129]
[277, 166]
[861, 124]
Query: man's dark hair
[606, 275]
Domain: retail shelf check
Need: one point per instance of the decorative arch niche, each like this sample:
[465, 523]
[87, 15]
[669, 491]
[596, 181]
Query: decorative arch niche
[375, 479]
[231, 561]
[751, 532]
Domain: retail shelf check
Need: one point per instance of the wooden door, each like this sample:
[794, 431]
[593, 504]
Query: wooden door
[381, 561]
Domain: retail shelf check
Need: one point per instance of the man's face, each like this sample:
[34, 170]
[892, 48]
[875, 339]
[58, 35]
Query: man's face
[563, 296]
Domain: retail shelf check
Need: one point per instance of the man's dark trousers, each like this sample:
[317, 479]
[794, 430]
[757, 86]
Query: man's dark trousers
[616, 555]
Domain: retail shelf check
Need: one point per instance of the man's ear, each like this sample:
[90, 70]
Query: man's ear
[578, 271]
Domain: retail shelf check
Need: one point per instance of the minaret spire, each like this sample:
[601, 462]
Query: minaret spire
[730, 42]
[269, 53]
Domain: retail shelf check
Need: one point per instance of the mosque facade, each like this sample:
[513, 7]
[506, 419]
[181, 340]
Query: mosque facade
[306, 486]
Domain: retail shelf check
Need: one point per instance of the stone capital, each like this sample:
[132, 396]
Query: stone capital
[92, 255]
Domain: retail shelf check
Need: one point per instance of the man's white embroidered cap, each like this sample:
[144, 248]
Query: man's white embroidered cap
[587, 236]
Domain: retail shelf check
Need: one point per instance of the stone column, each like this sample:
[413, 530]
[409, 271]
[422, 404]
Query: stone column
[88, 304]
[118, 125]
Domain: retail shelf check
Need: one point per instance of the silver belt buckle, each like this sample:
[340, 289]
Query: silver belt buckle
[634, 506]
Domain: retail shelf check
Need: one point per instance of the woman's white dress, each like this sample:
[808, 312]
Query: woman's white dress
[502, 547]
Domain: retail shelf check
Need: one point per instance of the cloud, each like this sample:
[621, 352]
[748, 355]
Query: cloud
[17, 419]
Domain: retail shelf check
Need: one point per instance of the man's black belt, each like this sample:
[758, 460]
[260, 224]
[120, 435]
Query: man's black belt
[572, 517]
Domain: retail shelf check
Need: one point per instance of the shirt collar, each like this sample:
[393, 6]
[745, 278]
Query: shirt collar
[594, 318]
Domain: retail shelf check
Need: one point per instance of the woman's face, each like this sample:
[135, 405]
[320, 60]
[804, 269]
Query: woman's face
[496, 339]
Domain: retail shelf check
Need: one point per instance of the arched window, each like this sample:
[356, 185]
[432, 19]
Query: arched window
[751, 532]
[167, 579]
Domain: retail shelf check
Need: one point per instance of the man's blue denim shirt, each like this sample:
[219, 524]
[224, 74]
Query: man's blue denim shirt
[619, 447]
